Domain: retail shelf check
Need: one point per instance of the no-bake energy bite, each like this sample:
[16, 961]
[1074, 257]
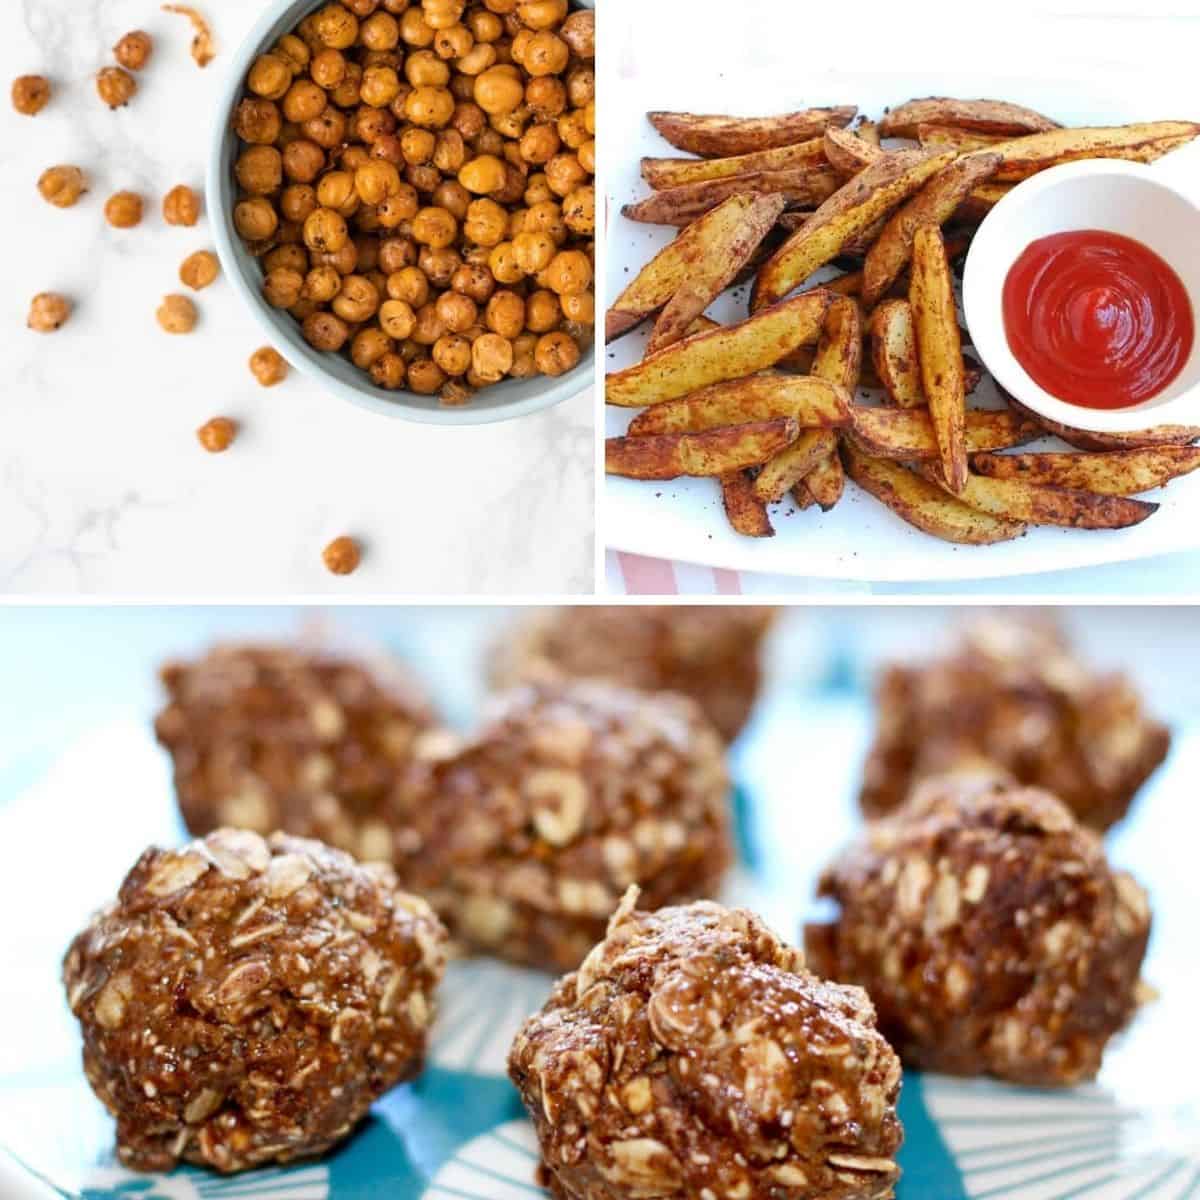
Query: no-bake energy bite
[245, 1001]
[1015, 693]
[693, 1056]
[275, 737]
[990, 931]
[525, 838]
[710, 654]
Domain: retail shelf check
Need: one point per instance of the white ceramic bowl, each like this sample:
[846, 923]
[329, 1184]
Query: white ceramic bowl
[503, 402]
[1139, 201]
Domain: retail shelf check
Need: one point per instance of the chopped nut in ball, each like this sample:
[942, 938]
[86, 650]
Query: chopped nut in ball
[311, 742]
[123, 210]
[48, 311]
[181, 206]
[710, 654]
[268, 366]
[1015, 693]
[30, 94]
[177, 314]
[217, 435]
[134, 49]
[342, 556]
[990, 931]
[693, 1055]
[116, 87]
[245, 1001]
[199, 270]
[62, 186]
[525, 837]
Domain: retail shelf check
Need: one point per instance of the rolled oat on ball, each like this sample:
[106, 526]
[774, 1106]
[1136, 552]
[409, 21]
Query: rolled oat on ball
[990, 931]
[244, 1001]
[279, 737]
[525, 839]
[693, 1055]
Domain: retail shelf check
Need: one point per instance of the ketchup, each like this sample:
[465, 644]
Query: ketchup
[1097, 319]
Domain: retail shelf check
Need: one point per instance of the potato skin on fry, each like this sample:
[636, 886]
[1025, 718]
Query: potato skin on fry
[908, 434]
[683, 205]
[894, 353]
[746, 513]
[1083, 439]
[987, 116]
[718, 136]
[848, 153]
[1115, 473]
[662, 173]
[1143, 142]
[714, 452]
[792, 464]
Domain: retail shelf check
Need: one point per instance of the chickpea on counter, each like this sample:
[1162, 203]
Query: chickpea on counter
[417, 181]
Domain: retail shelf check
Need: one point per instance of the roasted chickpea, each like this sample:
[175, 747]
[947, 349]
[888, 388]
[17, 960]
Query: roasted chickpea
[325, 331]
[268, 366]
[258, 121]
[270, 77]
[491, 357]
[133, 50]
[504, 265]
[259, 170]
[543, 312]
[423, 68]
[571, 271]
[322, 284]
[397, 319]
[425, 377]
[539, 144]
[48, 311]
[476, 60]
[546, 54]
[377, 180]
[581, 86]
[429, 326]
[217, 435]
[410, 285]
[469, 120]
[486, 223]
[255, 219]
[369, 345]
[304, 101]
[485, 25]
[115, 86]
[389, 371]
[415, 31]
[537, 190]
[372, 124]
[474, 282]
[579, 307]
[556, 354]
[123, 210]
[434, 227]
[489, 142]
[336, 26]
[457, 313]
[62, 186]
[325, 231]
[399, 207]
[30, 94]
[199, 270]
[482, 175]
[346, 94]
[579, 32]
[546, 217]
[546, 97]
[328, 69]
[587, 157]
[302, 160]
[573, 130]
[380, 86]
[533, 251]
[328, 130]
[453, 197]
[295, 51]
[429, 106]
[439, 264]
[579, 211]
[177, 314]
[396, 253]
[388, 147]
[357, 301]
[283, 287]
[381, 31]
[343, 555]
[450, 151]
[505, 314]
[336, 190]
[295, 258]
[181, 206]
[343, 261]
[453, 354]
[564, 174]
[499, 90]
[589, 118]
[524, 348]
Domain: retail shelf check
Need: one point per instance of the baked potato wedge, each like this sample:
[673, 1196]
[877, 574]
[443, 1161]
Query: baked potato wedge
[662, 173]
[717, 136]
[826, 482]
[934, 204]
[700, 262]
[981, 202]
[714, 452]
[728, 352]
[939, 349]
[868, 131]
[681, 206]
[923, 504]
[785, 469]
[909, 435]
[1142, 142]
[746, 513]
[813, 403]
[955, 137]
[894, 354]
[848, 153]
[1110, 473]
[854, 207]
[985, 116]
[1083, 439]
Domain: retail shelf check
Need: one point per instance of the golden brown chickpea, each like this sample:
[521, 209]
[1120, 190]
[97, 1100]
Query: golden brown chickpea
[325, 331]
[123, 210]
[441, 14]
[177, 314]
[390, 148]
[418, 145]
[489, 142]
[524, 348]
[542, 312]
[362, 8]
[485, 26]
[328, 69]
[358, 300]
[199, 270]
[424, 178]
[62, 186]
[283, 287]
[457, 313]
[304, 101]
[469, 120]
[429, 326]
[268, 366]
[294, 258]
[48, 311]
[589, 118]
[579, 307]
[505, 314]
[453, 43]
[581, 86]
[486, 223]
[336, 26]
[514, 186]
[410, 351]
[423, 68]
[369, 345]
[217, 435]
[572, 129]
[336, 190]
[499, 90]
[579, 211]
[325, 231]
[546, 98]
[482, 175]
[533, 251]
[30, 94]
[380, 32]
[354, 157]
[537, 190]
[556, 354]
[546, 217]
[115, 86]
[133, 50]
[258, 121]
[474, 282]
[539, 144]
[587, 157]
[439, 265]
[453, 354]
[321, 284]
[181, 206]
[415, 31]
[455, 392]
[303, 160]
[260, 170]
[453, 197]
[328, 130]
[542, 14]
[504, 265]
[491, 357]
[434, 227]
[270, 77]
[410, 285]
[346, 94]
[450, 152]
[546, 54]
[377, 180]
[388, 371]
[397, 319]
[477, 60]
[344, 261]
[520, 44]
[579, 32]
[396, 253]
[372, 124]
[425, 377]
[295, 51]
[255, 219]
[399, 207]
[429, 106]
[462, 88]
[288, 232]
[380, 86]
[564, 174]
[343, 555]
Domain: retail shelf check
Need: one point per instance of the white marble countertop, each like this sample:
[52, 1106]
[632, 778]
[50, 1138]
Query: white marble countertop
[104, 489]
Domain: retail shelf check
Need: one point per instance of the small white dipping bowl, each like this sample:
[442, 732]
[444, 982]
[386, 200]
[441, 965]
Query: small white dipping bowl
[1137, 200]
[502, 402]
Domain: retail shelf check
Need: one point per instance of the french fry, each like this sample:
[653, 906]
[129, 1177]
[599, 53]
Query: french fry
[848, 153]
[682, 205]
[857, 205]
[1082, 439]
[923, 504]
[955, 137]
[986, 116]
[1143, 142]
[725, 353]
[714, 452]
[939, 349]
[710, 266]
[894, 353]
[981, 202]
[839, 349]
[1114, 473]
[747, 514]
[813, 403]
[802, 497]
[826, 482]
[786, 468]
[717, 136]
[908, 434]
[934, 204]
[662, 173]
[722, 239]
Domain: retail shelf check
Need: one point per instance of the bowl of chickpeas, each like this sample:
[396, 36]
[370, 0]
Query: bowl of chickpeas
[404, 193]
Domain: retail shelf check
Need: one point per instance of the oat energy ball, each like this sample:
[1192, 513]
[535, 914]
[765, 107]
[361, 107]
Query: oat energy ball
[990, 931]
[244, 1001]
[710, 654]
[276, 737]
[1017, 694]
[692, 1055]
[526, 837]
